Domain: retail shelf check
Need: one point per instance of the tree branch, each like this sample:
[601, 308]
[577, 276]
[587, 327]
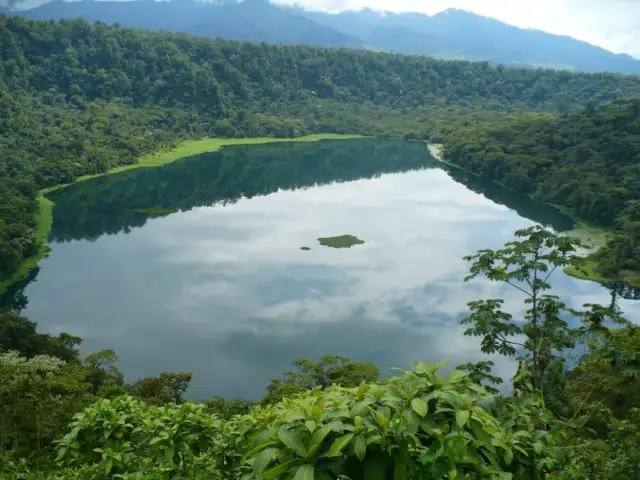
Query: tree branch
[503, 339]
[519, 288]
[549, 274]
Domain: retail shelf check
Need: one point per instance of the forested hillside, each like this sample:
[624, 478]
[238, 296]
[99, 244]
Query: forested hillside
[588, 161]
[78, 99]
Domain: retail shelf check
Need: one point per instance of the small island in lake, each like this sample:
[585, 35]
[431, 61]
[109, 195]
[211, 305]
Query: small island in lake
[343, 241]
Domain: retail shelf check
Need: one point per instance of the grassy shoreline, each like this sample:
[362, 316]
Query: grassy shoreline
[594, 237]
[44, 216]
[195, 147]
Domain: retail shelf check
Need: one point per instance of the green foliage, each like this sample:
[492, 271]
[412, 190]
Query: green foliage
[228, 408]
[525, 264]
[609, 374]
[410, 426]
[19, 334]
[43, 384]
[614, 457]
[38, 397]
[480, 373]
[169, 387]
[126, 436]
[330, 370]
[102, 373]
[414, 424]
[606, 379]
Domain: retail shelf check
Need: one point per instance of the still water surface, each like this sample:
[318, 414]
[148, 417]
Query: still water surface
[219, 286]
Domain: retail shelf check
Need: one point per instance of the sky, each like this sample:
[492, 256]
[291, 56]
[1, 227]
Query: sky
[612, 24]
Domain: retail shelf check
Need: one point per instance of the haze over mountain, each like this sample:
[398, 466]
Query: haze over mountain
[250, 20]
[463, 35]
[453, 34]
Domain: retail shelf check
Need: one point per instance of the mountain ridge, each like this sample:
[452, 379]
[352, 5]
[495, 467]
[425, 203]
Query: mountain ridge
[453, 34]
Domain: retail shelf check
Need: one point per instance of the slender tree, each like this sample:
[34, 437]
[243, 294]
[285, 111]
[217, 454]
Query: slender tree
[526, 264]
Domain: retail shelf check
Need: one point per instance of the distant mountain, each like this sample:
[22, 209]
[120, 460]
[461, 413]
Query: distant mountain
[453, 34]
[250, 20]
[463, 35]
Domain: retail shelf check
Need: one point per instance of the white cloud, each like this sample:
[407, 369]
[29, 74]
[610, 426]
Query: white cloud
[612, 24]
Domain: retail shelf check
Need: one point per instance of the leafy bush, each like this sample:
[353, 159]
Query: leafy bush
[128, 437]
[616, 457]
[38, 397]
[417, 425]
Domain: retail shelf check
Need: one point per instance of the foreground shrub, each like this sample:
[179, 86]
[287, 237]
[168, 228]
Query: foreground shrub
[416, 425]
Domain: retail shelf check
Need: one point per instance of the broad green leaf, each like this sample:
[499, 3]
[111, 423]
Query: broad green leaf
[411, 420]
[480, 433]
[108, 465]
[462, 417]
[339, 444]
[375, 468]
[262, 460]
[401, 460]
[455, 376]
[342, 413]
[537, 447]
[294, 416]
[316, 440]
[305, 472]
[499, 442]
[508, 456]
[293, 440]
[400, 472]
[421, 367]
[382, 419]
[336, 426]
[360, 447]
[420, 406]
[311, 425]
[439, 468]
[276, 471]
[254, 451]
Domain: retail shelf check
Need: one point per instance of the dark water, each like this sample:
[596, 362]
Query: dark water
[221, 287]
